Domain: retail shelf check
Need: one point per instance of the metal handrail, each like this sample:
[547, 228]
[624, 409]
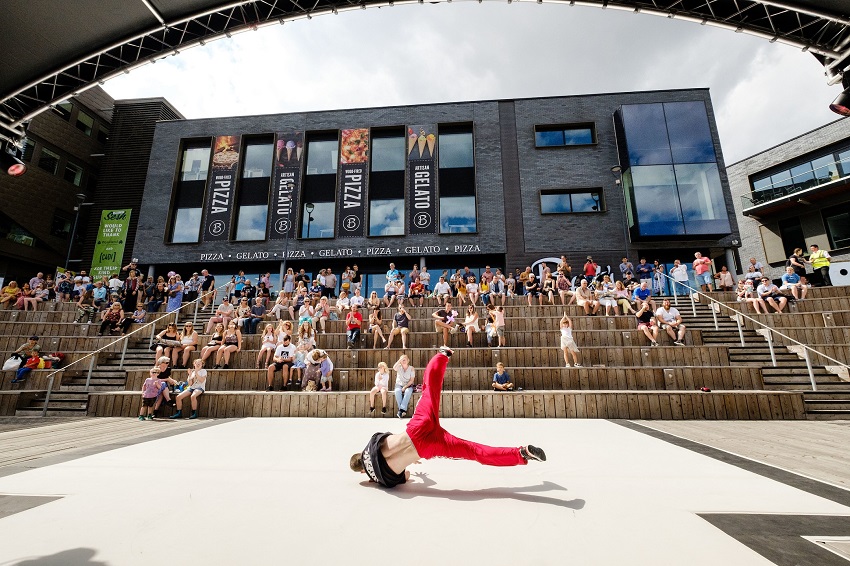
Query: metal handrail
[738, 316]
[92, 356]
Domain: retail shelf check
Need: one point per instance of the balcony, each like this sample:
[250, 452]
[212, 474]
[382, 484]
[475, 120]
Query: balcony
[799, 185]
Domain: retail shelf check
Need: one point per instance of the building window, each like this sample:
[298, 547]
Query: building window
[48, 161]
[791, 234]
[812, 173]
[102, 134]
[73, 174]
[561, 135]
[565, 201]
[318, 198]
[85, 123]
[672, 182]
[253, 198]
[837, 222]
[844, 162]
[457, 179]
[189, 193]
[61, 226]
[64, 109]
[386, 183]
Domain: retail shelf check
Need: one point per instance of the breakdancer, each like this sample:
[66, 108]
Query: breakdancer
[387, 456]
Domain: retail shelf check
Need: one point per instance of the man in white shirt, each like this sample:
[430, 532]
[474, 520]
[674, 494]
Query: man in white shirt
[679, 272]
[357, 299]
[425, 278]
[771, 294]
[442, 290]
[284, 357]
[670, 320]
[115, 284]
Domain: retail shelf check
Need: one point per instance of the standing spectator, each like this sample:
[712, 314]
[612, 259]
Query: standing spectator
[444, 321]
[820, 259]
[488, 275]
[669, 320]
[282, 361]
[590, 269]
[330, 284]
[223, 314]
[568, 344]
[156, 297]
[405, 375]
[318, 370]
[425, 279]
[207, 290]
[114, 284]
[680, 278]
[522, 278]
[64, 287]
[150, 392]
[401, 326]
[643, 272]
[197, 384]
[797, 261]
[626, 267]
[353, 321]
[659, 281]
[791, 282]
[288, 284]
[725, 281]
[702, 268]
[382, 383]
[239, 281]
[192, 286]
[356, 278]
[499, 324]
[175, 294]
[37, 280]
[501, 379]
[646, 323]
[564, 267]
[771, 295]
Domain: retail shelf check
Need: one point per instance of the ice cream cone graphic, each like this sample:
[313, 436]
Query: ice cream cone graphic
[411, 142]
[432, 141]
[299, 149]
[421, 141]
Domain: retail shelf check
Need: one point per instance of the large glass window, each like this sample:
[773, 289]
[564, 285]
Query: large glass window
[564, 135]
[690, 137]
[646, 134]
[85, 123]
[189, 193]
[701, 196]
[318, 198]
[817, 171]
[457, 179]
[253, 199]
[386, 183]
[837, 222]
[557, 201]
[48, 161]
[61, 225]
[803, 176]
[844, 162]
[656, 201]
[28, 149]
[825, 169]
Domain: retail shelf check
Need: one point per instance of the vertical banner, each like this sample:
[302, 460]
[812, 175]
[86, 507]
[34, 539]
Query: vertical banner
[286, 186]
[110, 242]
[422, 179]
[353, 177]
[221, 190]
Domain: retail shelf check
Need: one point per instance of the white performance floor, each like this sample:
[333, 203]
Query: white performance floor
[279, 491]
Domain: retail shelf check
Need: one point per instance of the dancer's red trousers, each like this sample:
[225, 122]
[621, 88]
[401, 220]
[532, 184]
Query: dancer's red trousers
[432, 441]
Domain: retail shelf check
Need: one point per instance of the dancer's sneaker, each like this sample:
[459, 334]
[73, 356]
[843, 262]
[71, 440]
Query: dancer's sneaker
[532, 453]
[446, 351]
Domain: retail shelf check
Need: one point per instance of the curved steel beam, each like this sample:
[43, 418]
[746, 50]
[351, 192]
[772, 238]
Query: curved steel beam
[825, 35]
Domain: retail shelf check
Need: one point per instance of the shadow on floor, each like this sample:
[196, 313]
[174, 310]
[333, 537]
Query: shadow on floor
[71, 557]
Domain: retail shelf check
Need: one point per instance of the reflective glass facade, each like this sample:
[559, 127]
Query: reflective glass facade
[386, 183]
[188, 206]
[319, 187]
[671, 177]
[565, 202]
[457, 180]
[253, 200]
[564, 135]
[811, 173]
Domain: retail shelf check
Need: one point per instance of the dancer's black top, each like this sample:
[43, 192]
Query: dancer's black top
[376, 466]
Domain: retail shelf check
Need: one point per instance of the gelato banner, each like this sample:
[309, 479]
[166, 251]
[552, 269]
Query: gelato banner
[109, 246]
[286, 185]
[353, 180]
[221, 191]
[422, 179]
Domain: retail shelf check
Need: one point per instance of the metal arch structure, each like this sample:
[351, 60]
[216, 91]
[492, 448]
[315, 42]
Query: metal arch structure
[55, 50]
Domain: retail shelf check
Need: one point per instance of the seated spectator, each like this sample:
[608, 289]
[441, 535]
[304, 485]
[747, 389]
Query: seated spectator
[401, 327]
[586, 298]
[80, 287]
[568, 344]
[472, 290]
[502, 379]
[256, 316]
[771, 295]
[321, 313]
[165, 370]
[753, 274]
[725, 281]
[374, 301]
[85, 308]
[26, 293]
[356, 298]
[283, 360]
[139, 314]
[113, 320]
[248, 291]
[318, 371]
[223, 314]
[263, 293]
[169, 343]
[197, 384]
[547, 288]
[40, 294]
[669, 320]
[510, 285]
[268, 343]
[416, 291]
[280, 305]
[188, 343]
[623, 298]
[643, 295]
[343, 304]
[156, 297]
[405, 376]
[298, 301]
[214, 343]
[497, 288]
[353, 322]
[444, 321]
[243, 313]
[564, 288]
[470, 324]
[375, 327]
[399, 291]
[605, 293]
[646, 323]
[231, 344]
[26, 350]
[532, 289]
[315, 290]
[791, 282]
[382, 382]
[442, 290]
[746, 294]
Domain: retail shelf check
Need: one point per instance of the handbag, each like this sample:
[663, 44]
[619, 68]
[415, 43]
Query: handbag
[12, 364]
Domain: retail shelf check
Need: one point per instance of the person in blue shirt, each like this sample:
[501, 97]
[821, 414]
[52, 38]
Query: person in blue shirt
[393, 275]
[501, 379]
[99, 293]
[239, 281]
[643, 272]
[791, 282]
[643, 294]
[626, 267]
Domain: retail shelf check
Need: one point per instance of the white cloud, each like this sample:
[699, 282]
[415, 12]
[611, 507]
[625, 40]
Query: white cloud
[763, 93]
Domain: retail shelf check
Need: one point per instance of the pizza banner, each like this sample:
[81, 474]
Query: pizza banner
[422, 179]
[221, 191]
[286, 185]
[353, 179]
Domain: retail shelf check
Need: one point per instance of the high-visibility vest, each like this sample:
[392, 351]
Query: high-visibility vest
[819, 259]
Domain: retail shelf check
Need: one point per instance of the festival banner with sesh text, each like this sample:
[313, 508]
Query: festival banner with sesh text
[422, 179]
[110, 243]
[221, 194]
[289, 148]
[353, 180]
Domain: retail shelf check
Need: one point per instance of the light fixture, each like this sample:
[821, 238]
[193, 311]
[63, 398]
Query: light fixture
[11, 164]
[841, 104]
